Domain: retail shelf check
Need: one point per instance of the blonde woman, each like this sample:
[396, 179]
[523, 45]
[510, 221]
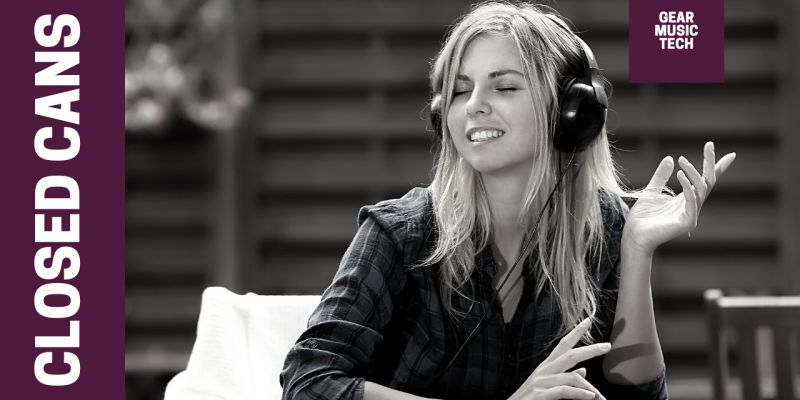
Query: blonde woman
[439, 295]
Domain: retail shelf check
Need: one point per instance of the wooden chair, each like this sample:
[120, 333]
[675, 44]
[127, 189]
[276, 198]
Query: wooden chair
[745, 315]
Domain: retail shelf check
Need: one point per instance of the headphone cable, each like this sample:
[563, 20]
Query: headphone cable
[524, 249]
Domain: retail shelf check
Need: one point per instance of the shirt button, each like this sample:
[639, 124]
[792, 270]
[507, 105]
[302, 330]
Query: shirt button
[312, 344]
[509, 357]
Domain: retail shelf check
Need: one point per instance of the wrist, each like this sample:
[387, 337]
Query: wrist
[633, 245]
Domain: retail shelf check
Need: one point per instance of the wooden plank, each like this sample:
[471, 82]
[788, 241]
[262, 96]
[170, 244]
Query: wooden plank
[753, 226]
[748, 372]
[162, 306]
[718, 348]
[682, 333]
[789, 109]
[316, 222]
[143, 160]
[783, 361]
[321, 65]
[340, 118]
[295, 274]
[755, 168]
[160, 209]
[694, 111]
[166, 256]
[287, 18]
[344, 67]
[345, 167]
[688, 276]
[752, 311]
[710, 113]
[158, 353]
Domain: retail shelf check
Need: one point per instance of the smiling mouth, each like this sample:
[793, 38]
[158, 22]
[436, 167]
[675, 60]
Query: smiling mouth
[485, 135]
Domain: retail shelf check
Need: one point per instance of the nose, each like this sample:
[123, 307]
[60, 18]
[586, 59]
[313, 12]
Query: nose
[478, 103]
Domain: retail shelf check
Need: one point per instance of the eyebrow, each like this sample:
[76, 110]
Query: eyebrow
[492, 75]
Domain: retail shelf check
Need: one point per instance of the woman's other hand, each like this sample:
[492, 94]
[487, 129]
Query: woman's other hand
[654, 221]
[550, 381]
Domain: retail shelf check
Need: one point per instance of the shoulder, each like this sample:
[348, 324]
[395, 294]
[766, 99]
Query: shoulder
[407, 220]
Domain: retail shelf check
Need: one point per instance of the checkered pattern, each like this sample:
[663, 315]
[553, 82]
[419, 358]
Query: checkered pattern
[383, 322]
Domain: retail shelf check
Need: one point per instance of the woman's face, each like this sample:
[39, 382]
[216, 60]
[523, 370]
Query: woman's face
[491, 119]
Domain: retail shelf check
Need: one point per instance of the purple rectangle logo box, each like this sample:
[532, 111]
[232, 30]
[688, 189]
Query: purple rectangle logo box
[676, 41]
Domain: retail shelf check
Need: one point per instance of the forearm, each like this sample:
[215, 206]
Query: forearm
[374, 391]
[635, 356]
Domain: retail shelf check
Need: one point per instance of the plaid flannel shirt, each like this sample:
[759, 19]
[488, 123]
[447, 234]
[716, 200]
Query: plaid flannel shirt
[384, 322]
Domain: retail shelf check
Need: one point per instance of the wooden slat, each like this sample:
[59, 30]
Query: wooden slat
[286, 18]
[784, 337]
[158, 353]
[705, 114]
[162, 306]
[683, 332]
[340, 118]
[284, 273]
[346, 168]
[694, 111]
[755, 168]
[746, 345]
[318, 222]
[166, 256]
[143, 160]
[689, 276]
[154, 209]
[335, 67]
[745, 59]
[717, 346]
[753, 225]
[313, 66]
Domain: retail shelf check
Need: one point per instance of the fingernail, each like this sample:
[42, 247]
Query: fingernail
[605, 346]
[584, 323]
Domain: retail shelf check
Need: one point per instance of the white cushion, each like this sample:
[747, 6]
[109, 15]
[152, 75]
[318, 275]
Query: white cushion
[242, 341]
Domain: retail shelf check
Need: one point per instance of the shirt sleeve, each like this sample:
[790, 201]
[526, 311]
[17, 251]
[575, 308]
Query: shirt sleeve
[332, 357]
[607, 304]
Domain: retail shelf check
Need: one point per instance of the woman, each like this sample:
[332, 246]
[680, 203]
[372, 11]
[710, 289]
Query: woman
[412, 310]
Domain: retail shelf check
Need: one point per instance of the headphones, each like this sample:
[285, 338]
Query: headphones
[582, 102]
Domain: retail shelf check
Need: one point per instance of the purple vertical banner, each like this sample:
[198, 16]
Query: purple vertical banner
[63, 199]
[676, 41]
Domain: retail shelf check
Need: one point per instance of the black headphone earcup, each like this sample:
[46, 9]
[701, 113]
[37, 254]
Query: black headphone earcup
[581, 117]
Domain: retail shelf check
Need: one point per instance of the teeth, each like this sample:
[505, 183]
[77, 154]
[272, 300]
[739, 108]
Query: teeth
[483, 135]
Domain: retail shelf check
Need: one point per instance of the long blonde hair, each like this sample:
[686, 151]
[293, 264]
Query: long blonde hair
[572, 227]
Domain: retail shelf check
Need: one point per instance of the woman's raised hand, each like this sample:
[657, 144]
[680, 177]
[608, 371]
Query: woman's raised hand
[550, 381]
[654, 221]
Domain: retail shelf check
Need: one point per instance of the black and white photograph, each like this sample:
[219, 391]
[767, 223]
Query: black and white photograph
[407, 199]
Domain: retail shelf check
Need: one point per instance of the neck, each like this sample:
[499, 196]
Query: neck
[505, 195]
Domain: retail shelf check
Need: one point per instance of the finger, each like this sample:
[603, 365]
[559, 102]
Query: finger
[567, 392]
[691, 200]
[575, 356]
[581, 372]
[662, 174]
[570, 340]
[694, 177]
[724, 163]
[575, 379]
[709, 158]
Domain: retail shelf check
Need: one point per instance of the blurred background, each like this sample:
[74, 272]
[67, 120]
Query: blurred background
[256, 129]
